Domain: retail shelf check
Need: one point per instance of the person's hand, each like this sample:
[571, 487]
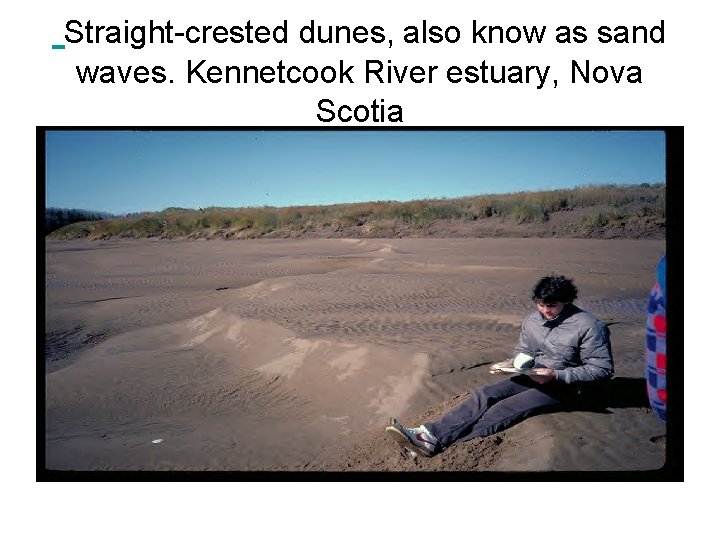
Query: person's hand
[542, 375]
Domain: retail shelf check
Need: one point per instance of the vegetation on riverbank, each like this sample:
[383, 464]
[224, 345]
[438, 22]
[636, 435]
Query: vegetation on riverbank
[630, 211]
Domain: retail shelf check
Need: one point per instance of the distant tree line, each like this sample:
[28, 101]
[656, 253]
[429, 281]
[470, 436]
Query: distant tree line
[59, 217]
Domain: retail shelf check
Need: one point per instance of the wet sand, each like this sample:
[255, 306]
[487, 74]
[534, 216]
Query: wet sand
[289, 355]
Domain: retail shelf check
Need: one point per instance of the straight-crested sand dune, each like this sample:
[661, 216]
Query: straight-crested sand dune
[290, 355]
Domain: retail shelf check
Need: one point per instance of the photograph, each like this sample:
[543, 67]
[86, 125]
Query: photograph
[358, 304]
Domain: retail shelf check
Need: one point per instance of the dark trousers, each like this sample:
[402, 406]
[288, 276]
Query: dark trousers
[495, 407]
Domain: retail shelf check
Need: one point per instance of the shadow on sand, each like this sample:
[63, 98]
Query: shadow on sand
[617, 393]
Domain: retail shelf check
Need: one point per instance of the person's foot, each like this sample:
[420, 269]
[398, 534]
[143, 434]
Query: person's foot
[420, 438]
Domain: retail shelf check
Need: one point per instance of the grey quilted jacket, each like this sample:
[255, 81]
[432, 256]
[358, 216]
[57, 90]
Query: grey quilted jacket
[575, 344]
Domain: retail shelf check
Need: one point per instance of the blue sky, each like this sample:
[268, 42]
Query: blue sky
[131, 171]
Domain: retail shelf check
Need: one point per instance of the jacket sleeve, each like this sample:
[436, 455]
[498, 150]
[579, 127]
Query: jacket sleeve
[523, 345]
[595, 357]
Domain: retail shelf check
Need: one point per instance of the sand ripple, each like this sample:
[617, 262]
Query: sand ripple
[277, 354]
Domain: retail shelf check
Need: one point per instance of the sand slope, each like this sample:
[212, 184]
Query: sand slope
[291, 354]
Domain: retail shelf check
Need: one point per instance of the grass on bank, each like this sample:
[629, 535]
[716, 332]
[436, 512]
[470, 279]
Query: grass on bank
[638, 207]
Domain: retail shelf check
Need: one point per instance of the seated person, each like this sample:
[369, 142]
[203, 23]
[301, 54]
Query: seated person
[569, 347]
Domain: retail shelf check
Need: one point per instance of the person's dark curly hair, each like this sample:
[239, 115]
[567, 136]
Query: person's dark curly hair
[553, 288]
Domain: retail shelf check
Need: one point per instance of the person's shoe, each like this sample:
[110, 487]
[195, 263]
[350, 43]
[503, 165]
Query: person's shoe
[420, 438]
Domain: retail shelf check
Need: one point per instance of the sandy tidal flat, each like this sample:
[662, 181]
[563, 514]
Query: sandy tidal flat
[290, 354]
